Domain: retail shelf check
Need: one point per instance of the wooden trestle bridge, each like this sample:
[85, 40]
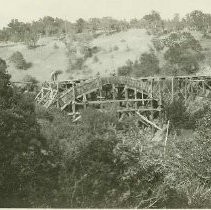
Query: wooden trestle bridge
[145, 97]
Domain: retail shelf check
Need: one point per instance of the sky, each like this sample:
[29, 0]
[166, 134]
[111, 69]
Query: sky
[28, 10]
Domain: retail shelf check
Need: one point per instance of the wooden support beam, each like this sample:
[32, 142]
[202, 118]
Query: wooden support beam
[113, 91]
[126, 96]
[148, 121]
[112, 101]
[73, 102]
[84, 101]
[186, 91]
[135, 93]
[101, 96]
[160, 102]
[142, 96]
[57, 89]
[172, 89]
[203, 87]
[139, 109]
[77, 118]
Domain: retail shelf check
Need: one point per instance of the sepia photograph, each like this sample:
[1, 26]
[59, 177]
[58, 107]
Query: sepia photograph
[105, 104]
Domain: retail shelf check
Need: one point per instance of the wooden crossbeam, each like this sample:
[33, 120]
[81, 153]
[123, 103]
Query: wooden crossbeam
[148, 121]
[115, 101]
[139, 109]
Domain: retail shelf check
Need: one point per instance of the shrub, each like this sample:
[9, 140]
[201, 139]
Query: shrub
[115, 48]
[206, 36]
[18, 60]
[126, 70]
[78, 64]
[95, 59]
[31, 39]
[147, 65]
[178, 116]
[43, 113]
[128, 48]
[95, 49]
[3, 66]
[184, 52]
[32, 83]
[27, 160]
[158, 45]
[55, 46]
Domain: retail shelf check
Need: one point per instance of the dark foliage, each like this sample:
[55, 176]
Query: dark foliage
[18, 60]
[147, 65]
[183, 54]
[26, 162]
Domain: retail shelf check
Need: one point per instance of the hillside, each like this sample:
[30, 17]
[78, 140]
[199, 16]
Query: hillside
[117, 49]
[44, 58]
[114, 51]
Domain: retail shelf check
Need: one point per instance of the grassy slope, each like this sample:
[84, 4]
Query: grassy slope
[131, 45]
[44, 58]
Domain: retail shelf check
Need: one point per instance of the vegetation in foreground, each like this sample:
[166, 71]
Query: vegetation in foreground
[47, 161]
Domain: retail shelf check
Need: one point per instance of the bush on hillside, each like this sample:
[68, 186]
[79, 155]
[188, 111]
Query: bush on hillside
[18, 60]
[3, 66]
[158, 44]
[177, 114]
[184, 53]
[147, 65]
[55, 46]
[128, 48]
[43, 113]
[95, 59]
[206, 36]
[115, 48]
[31, 39]
[127, 169]
[24, 152]
[78, 64]
[126, 70]
[31, 83]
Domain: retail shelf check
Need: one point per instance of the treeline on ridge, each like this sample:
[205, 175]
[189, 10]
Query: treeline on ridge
[48, 26]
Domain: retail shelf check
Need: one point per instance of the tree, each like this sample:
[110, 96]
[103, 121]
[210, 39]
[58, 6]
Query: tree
[80, 25]
[31, 38]
[5, 89]
[95, 24]
[17, 30]
[153, 22]
[32, 83]
[183, 53]
[196, 20]
[26, 158]
[149, 65]
[18, 60]
[3, 66]
[176, 22]
[48, 23]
